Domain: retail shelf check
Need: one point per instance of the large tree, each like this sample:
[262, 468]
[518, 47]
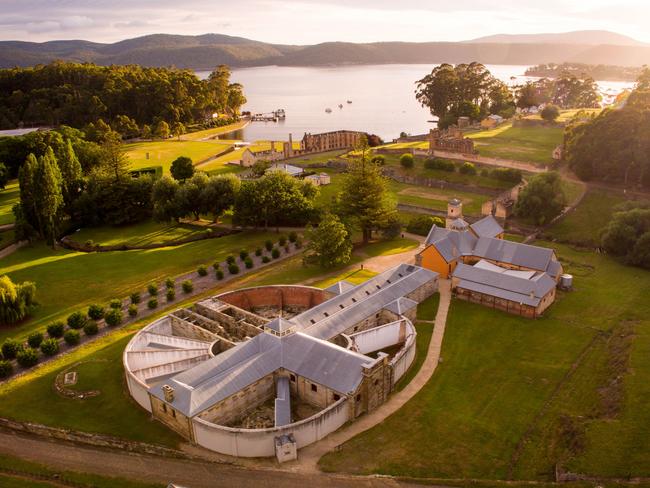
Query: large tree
[71, 174]
[182, 168]
[50, 196]
[220, 194]
[329, 243]
[365, 199]
[542, 199]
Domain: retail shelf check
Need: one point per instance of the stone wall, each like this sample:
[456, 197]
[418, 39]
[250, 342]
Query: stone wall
[303, 297]
[169, 416]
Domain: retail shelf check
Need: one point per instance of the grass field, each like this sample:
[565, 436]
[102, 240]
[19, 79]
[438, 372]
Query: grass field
[530, 144]
[139, 234]
[388, 247]
[513, 397]
[67, 281]
[162, 153]
[584, 224]
[8, 198]
[213, 133]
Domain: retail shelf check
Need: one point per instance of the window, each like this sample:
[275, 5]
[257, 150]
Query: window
[164, 408]
[314, 387]
[359, 397]
[292, 377]
[336, 397]
[376, 382]
[173, 413]
[326, 314]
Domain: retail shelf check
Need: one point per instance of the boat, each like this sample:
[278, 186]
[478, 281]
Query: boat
[340, 105]
[349, 101]
[328, 110]
[280, 113]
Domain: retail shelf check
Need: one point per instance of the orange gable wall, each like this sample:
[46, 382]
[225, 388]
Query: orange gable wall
[431, 259]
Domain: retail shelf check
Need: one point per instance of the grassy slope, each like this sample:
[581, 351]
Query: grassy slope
[67, 281]
[532, 144]
[389, 247]
[497, 373]
[8, 198]
[162, 153]
[139, 234]
[210, 133]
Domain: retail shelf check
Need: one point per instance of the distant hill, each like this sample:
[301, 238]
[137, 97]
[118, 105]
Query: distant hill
[209, 50]
[585, 37]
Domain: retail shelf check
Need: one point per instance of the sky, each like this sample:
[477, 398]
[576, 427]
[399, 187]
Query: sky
[314, 21]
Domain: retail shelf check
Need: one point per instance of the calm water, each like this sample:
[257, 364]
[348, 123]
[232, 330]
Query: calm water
[383, 100]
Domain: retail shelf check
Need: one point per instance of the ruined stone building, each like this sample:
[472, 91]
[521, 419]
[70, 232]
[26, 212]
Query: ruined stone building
[325, 141]
[450, 140]
[264, 371]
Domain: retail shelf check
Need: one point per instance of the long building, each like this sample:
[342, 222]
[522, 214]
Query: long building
[265, 371]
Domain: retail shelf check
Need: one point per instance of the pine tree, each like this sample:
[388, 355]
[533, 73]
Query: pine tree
[49, 201]
[70, 173]
[329, 243]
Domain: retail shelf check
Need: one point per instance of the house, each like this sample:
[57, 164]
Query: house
[504, 271]
[286, 168]
[319, 179]
[249, 157]
[491, 121]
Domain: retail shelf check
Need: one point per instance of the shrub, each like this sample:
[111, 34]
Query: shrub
[91, 328]
[298, 243]
[89, 243]
[76, 320]
[440, 164]
[50, 347]
[56, 329]
[187, 286]
[407, 161]
[258, 251]
[511, 175]
[467, 169]
[72, 337]
[96, 312]
[152, 303]
[35, 339]
[265, 259]
[27, 357]
[152, 288]
[248, 262]
[135, 298]
[550, 113]
[243, 254]
[275, 254]
[133, 310]
[216, 265]
[282, 240]
[171, 295]
[268, 245]
[113, 317]
[293, 236]
[202, 271]
[169, 283]
[219, 274]
[233, 269]
[6, 368]
[10, 348]
[115, 303]
[231, 259]
[378, 159]
[421, 225]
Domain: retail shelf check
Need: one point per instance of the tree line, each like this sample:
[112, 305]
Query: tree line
[130, 98]
[615, 145]
[470, 90]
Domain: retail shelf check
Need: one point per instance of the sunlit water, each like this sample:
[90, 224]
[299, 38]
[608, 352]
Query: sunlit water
[382, 96]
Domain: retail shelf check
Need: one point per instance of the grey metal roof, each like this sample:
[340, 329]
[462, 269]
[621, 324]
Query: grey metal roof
[554, 268]
[334, 316]
[401, 305]
[459, 224]
[287, 168]
[487, 227]
[533, 257]
[451, 244]
[282, 402]
[280, 325]
[339, 287]
[521, 290]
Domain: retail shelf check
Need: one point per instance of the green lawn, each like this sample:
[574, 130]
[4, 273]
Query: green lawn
[530, 144]
[584, 224]
[162, 153]
[7, 238]
[8, 198]
[388, 247]
[506, 382]
[67, 281]
[139, 234]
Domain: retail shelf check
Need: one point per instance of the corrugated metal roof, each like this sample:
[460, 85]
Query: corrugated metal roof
[534, 257]
[339, 287]
[487, 227]
[401, 305]
[282, 402]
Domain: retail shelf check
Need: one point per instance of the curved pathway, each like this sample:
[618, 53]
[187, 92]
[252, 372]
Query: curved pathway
[308, 457]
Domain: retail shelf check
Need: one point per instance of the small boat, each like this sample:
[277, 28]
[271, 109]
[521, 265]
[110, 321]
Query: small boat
[328, 110]
[349, 101]
[340, 105]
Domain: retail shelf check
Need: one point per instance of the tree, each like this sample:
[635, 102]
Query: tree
[49, 201]
[329, 243]
[114, 164]
[177, 129]
[220, 194]
[365, 199]
[16, 300]
[4, 176]
[161, 130]
[191, 196]
[550, 113]
[542, 199]
[628, 234]
[182, 168]
[407, 161]
[126, 127]
[166, 205]
[71, 175]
